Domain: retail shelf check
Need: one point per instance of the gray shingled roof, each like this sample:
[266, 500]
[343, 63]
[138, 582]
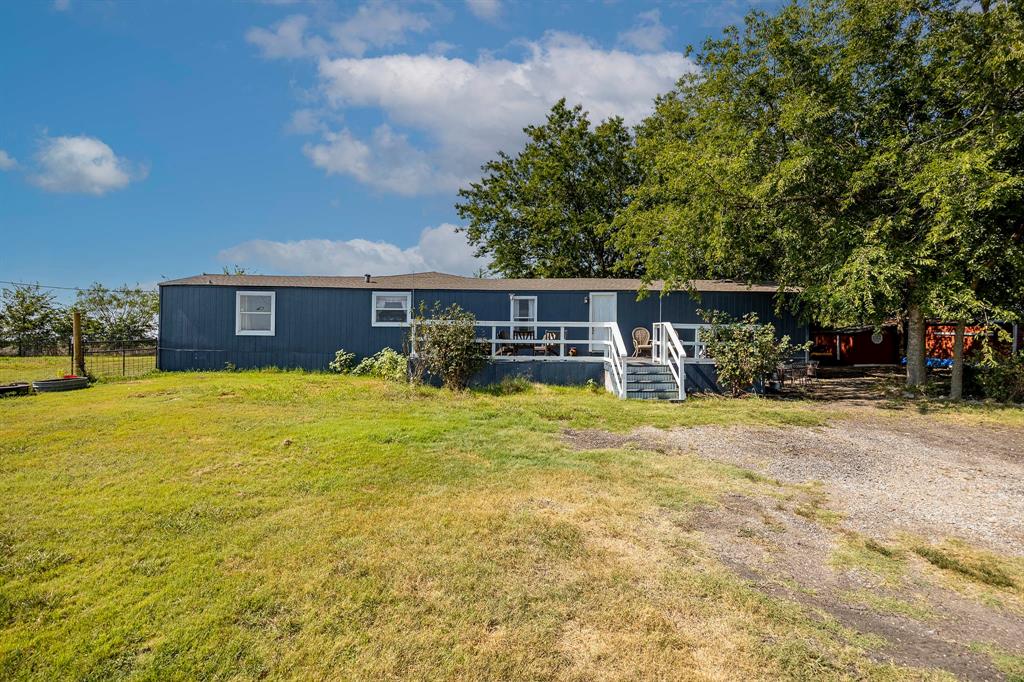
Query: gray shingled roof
[441, 280]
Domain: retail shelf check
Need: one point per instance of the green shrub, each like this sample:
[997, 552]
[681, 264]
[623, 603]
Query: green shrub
[745, 351]
[446, 345]
[1000, 377]
[342, 362]
[386, 364]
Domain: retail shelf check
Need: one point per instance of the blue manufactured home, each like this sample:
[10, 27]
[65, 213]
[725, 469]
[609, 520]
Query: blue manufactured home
[552, 330]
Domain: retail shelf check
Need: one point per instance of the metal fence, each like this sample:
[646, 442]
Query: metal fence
[34, 349]
[107, 358]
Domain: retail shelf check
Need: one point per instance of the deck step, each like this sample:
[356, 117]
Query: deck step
[633, 370]
[648, 381]
[645, 375]
[652, 395]
[652, 386]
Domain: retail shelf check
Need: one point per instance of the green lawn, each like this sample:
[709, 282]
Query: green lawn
[33, 369]
[244, 525]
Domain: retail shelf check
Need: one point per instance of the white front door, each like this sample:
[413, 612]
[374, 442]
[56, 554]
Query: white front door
[602, 309]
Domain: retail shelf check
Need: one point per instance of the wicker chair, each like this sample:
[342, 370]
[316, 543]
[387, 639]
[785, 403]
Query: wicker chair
[641, 342]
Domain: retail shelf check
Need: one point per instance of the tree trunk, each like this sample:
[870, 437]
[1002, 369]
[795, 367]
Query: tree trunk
[956, 383]
[915, 346]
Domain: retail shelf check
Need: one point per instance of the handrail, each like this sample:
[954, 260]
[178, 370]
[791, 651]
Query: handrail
[618, 359]
[667, 349]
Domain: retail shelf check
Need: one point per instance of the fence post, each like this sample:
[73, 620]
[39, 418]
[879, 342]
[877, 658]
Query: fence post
[76, 340]
[124, 373]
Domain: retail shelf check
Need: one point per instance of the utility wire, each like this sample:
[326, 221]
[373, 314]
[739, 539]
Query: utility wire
[49, 286]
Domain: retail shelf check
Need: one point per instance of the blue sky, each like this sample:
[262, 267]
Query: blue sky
[144, 140]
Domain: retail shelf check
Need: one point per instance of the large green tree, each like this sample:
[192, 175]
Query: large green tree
[866, 151]
[125, 314]
[29, 317]
[548, 211]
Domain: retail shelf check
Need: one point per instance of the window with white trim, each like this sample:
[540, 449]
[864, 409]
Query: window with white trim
[391, 308]
[254, 313]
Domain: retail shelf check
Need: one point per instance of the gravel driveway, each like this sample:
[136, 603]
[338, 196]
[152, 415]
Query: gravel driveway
[886, 472]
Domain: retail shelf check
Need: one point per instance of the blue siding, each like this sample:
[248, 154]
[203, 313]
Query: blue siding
[197, 323]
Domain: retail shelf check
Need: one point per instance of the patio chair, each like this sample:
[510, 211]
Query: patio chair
[522, 335]
[505, 348]
[641, 342]
[811, 373]
[547, 348]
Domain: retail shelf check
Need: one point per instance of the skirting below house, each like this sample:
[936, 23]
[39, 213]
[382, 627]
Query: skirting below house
[569, 372]
[701, 377]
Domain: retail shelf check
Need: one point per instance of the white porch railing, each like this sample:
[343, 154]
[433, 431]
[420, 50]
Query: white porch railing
[690, 339]
[666, 349]
[506, 338]
[609, 343]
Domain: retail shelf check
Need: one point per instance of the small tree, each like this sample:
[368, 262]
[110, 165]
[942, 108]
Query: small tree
[446, 346]
[745, 351]
[28, 316]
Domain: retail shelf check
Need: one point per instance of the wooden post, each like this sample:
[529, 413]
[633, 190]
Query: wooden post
[76, 334]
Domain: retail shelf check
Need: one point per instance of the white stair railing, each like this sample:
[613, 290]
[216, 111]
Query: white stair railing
[618, 364]
[666, 349]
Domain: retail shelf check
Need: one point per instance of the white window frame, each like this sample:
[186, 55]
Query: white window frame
[238, 313]
[408, 308]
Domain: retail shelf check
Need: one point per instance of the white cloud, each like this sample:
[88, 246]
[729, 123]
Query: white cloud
[445, 250]
[377, 23]
[305, 122]
[488, 10]
[7, 161]
[61, 5]
[467, 110]
[82, 164]
[386, 161]
[440, 248]
[648, 34]
[287, 40]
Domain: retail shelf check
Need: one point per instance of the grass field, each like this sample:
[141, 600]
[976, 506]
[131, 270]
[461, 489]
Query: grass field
[100, 366]
[33, 369]
[253, 524]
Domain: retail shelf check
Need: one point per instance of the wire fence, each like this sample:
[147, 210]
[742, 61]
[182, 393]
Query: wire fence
[32, 349]
[108, 358]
